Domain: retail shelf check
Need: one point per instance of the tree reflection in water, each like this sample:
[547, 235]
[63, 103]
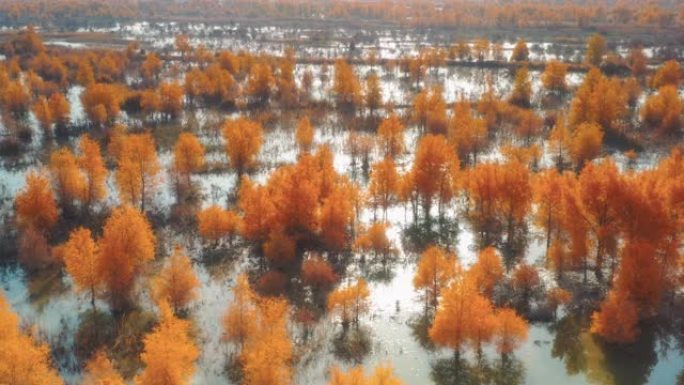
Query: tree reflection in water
[603, 363]
[352, 344]
[505, 370]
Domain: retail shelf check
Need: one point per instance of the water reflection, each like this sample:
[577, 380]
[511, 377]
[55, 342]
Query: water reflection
[603, 363]
[352, 344]
[506, 370]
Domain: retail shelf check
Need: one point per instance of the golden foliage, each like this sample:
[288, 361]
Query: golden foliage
[596, 49]
[510, 330]
[169, 354]
[391, 136]
[304, 135]
[617, 320]
[67, 178]
[349, 302]
[586, 143]
[243, 140]
[127, 243]
[82, 261]
[188, 156]
[346, 85]
[92, 165]
[138, 169]
[215, 223]
[22, 360]
[35, 204]
[487, 272]
[436, 269]
[100, 371]
[177, 282]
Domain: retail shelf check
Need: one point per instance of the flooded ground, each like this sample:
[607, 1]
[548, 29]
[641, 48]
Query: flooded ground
[394, 330]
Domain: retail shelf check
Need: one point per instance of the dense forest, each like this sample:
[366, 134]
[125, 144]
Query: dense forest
[183, 214]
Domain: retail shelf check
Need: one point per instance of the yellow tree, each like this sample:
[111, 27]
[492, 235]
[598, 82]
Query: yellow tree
[100, 371]
[188, 156]
[510, 330]
[381, 375]
[454, 321]
[481, 49]
[346, 85]
[35, 205]
[243, 140]
[151, 67]
[127, 243]
[43, 114]
[637, 62]
[169, 354]
[559, 142]
[596, 49]
[429, 110]
[391, 136]
[373, 94]
[318, 273]
[547, 188]
[287, 87]
[374, 239]
[214, 224]
[487, 272]
[525, 280]
[280, 248]
[467, 134]
[522, 88]
[349, 302]
[557, 296]
[600, 100]
[15, 98]
[662, 112]
[68, 179]
[23, 361]
[182, 44]
[553, 77]
[436, 269]
[102, 102]
[434, 172]
[260, 82]
[171, 99]
[92, 165]
[267, 354]
[520, 51]
[383, 189]
[239, 318]
[618, 318]
[177, 282]
[586, 143]
[304, 135]
[59, 109]
[258, 210]
[138, 169]
[82, 261]
[85, 75]
[669, 74]
[353, 376]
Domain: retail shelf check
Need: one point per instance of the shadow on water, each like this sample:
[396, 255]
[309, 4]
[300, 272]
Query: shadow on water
[43, 285]
[120, 336]
[420, 327]
[441, 231]
[604, 363]
[352, 345]
[506, 370]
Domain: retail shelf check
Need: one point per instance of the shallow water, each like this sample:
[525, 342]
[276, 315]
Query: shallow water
[558, 353]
